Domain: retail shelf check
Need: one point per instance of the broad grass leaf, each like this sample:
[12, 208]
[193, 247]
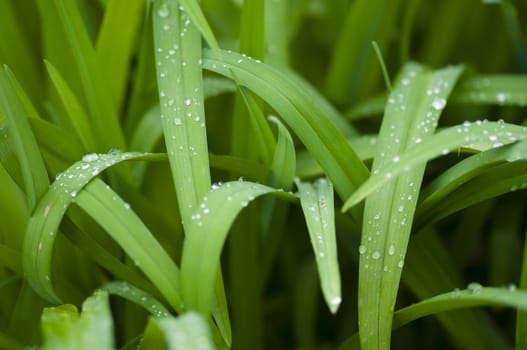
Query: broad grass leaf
[64, 328]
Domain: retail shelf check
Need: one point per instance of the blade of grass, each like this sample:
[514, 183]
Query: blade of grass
[115, 44]
[102, 109]
[115, 216]
[478, 136]
[78, 121]
[202, 250]
[43, 224]
[64, 328]
[188, 331]
[317, 204]
[499, 89]
[17, 109]
[411, 115]
[306, 116]
[137, 296]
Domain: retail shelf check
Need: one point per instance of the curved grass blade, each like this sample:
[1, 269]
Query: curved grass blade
[63, 327]
[125, 227]
[188, 331]
[317, 204]
[17, 109]
[301, 110]
[283, 167]
[191, 7]
[44, 223]
[474, 295]
[478, 136]
[137, 296]
[202, 248]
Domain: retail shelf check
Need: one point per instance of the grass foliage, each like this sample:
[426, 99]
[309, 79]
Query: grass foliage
[263, 174]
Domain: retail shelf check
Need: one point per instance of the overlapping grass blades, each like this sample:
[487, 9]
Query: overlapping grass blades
[411, 117]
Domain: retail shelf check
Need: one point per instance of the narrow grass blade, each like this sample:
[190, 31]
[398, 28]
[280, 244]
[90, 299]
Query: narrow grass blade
[116, 42]
[102, 109]
[411, 116]
[137, 296]
[191, 7]
[512, 178]
[188, 331]
[474, 295]
[42, 227]
[353, 71]
[64, 328]
[17, 108]
[210, 226]
[178, 56]
[78, 121]
[283, 167]
[503, 90]
[304, 113]
[123, 225]
[480, 136]
[318, 207]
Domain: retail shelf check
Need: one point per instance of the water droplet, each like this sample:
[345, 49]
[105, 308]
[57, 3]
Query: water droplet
[336, 300]
[362, 249]
[178, 121]
[90, 157]
[391, 250]
[474, 287]
[400, 264]
[438, 103]
[163, 11]
[376, 255]
[187, 102]
[127, 205]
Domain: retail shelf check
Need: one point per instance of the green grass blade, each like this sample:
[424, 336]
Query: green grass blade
[411, 116]
[283, 167]
[43, 225]
[503, 90]
[137, 296]
[17, 109]
[178, 56]
[479, 136]
[353, 71]
[301, 111]
[317, 204]
[474, 295]
[116, 42]
[188, 331]
[483, 187]
[521, 317]
[191, 7]
[78, 120]
[103, 111]
[123, 225]
[210, 226]
[64, 328]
